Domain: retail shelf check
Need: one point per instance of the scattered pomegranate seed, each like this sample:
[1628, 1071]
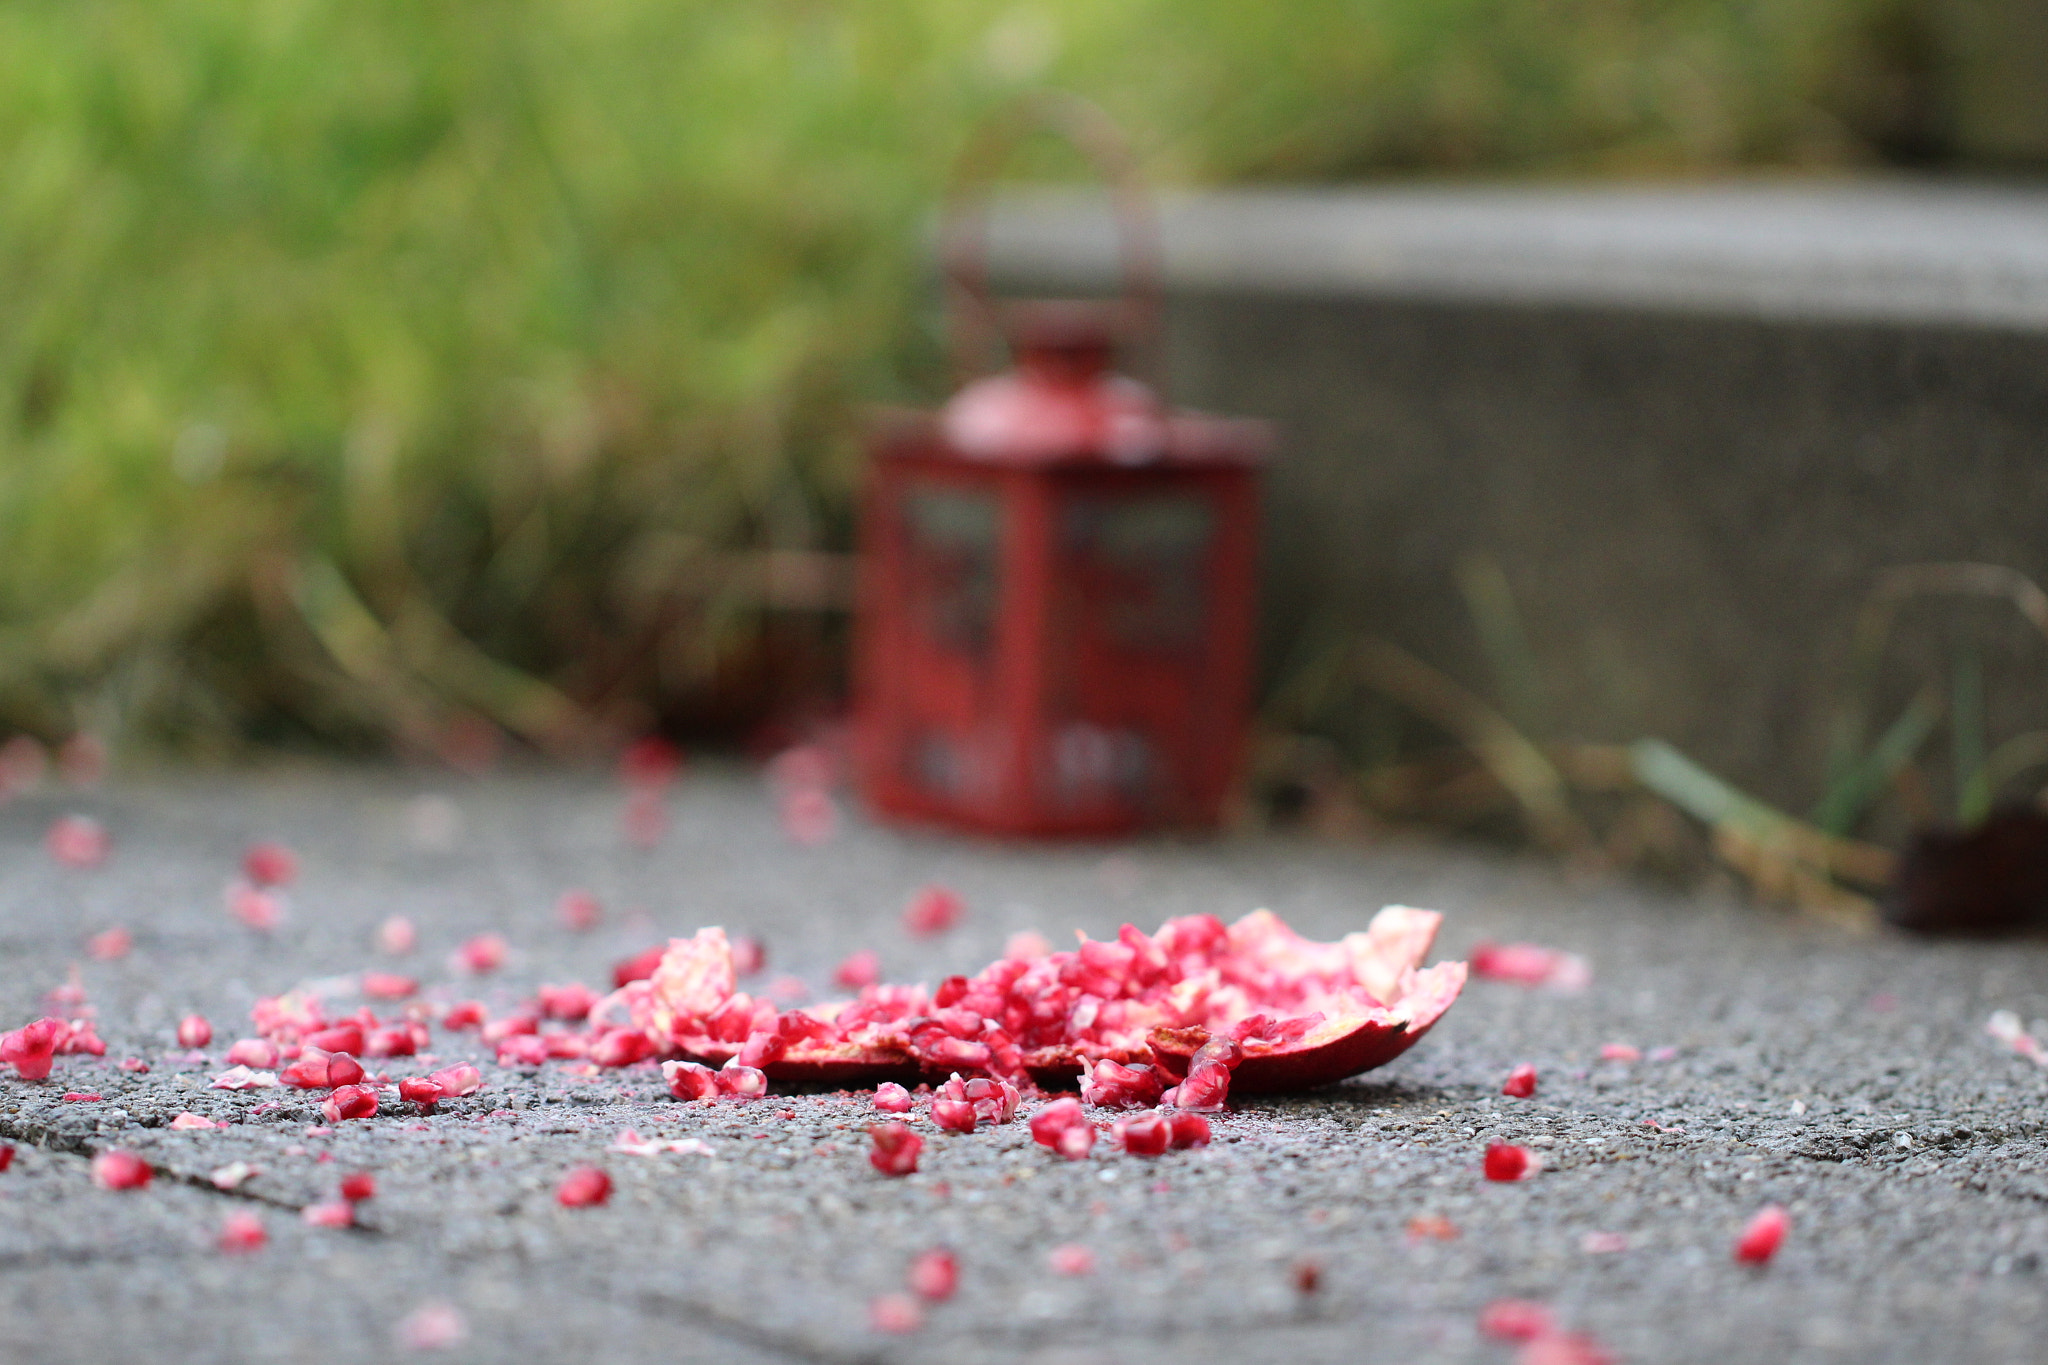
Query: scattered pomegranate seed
[621, 1047]
[1564, 1348]
[933, 910]
[396, 936]
[77, 841]
[242, 1232]
[458, 1081]
[1620, 1052]
[134, 1066]
[231, 1176]
[358, 1186]
[1116, 1086]
[330, 1213]
[1530, 965]
[895, 1148]
[468, 1014]
[270, 864]
[809, 816]
[896, 1313]
[350, 1102]
[389, 986]
[30, 1048]
[80, 1040]
[954, 1116]
[1146, 1134]
[420, 1091]
[1516, 1320]
[862, 969]
[194, 1031]
[343, 1037]
[742, 1082]
[650, 762]
[259, 1053]
[639, 967]
[1506, 1161]
[934, 1275]
[433, 1326]
[318, 1070]
[1063, 1127]
[1521, 1082]
[1762, 1236]
[1603, 1243]
[119, 1170]
[110, 945]
[1308, 1276]
[892, 1098]
[570, 1002]
[243, 1078]
[6, 1155]
[1189, 1130]
[1072, 1259]
[480, 955]
[583, 1187]
[82, 1096]
[578, 911]
[260, 910]
[522, 1049]
[188, 1121]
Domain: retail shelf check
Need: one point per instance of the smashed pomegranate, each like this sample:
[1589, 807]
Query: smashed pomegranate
[1763, 1235]
[895, 1148]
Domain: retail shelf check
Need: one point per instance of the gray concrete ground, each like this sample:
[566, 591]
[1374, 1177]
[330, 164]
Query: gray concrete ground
[1847, 1078]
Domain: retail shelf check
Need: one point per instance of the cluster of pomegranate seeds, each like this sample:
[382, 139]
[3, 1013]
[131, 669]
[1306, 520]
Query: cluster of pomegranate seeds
[1763, 1235]
[1064, 1127]
[1521, 1082]
[270, 864]
[933, 911]
[194, 1031]
[1207, 1083]
[895, 1148]
[892, 1098]
[119, 1170]
[77, 841]
[959, 1105]
[31, 1048]
[1506, 1161]
[1072, 1259]
[110, 945]
[896, 1314]
[242, 1232]
[584, 1187]
[350, 1102]
[1528, 964]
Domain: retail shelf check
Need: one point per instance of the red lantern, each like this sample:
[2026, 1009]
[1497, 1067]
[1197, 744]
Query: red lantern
[1058, 573]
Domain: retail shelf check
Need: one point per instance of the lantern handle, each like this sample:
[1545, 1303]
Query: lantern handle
[972, 318]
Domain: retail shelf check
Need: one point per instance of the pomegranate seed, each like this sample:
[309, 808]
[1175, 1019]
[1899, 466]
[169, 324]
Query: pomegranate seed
[1564, 1348]
[358, 1186]
[259, 1053]
[892, 1098]
[862, 969]
[621, 1047]
[742, 1082]
[420, 1091]
[1521, 1082]
[1145, 1134]
[570, 1002]
[1189, 1130]
[934, 1275]
[322, 1071]
[134, 1066]
[6, 1155]
[895, 1148]
[270, 865]
[119, 1170]
[1762, 1236]
[1506, 1161]
[808, 816]
[458, 1081]
[1116, 1086]
[187, 1122]
[650, 762]
[578, 911]
[1072, 1259]
[110, 945]
[260, 910]
[467, 1015]
[897, 1313]
[1530, 965]
[955, 1116]
[30, 1048]
[344, 1037]
[242, 1232]
[639, 967]
[242, 1078]
[748, 956]
[1308, 1276]
[481, 955]
[82, 1096]
[690, 1080]
[350, 1102]
[389, 986]
[933, 910]
[522, 1049]
[1516, 1320]
[194, 1031]
[583, 1187]
[1603, 1243]
[433, 1326]
[396, 936]
[77, 841]
[1620, 1052]
[331, 1213]
[80, 1039]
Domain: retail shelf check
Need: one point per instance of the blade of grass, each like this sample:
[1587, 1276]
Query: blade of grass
[1966, 726]
[1492, 604]
[1856, 790]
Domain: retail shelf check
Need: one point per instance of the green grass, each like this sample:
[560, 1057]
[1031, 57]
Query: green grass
[363, 364]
